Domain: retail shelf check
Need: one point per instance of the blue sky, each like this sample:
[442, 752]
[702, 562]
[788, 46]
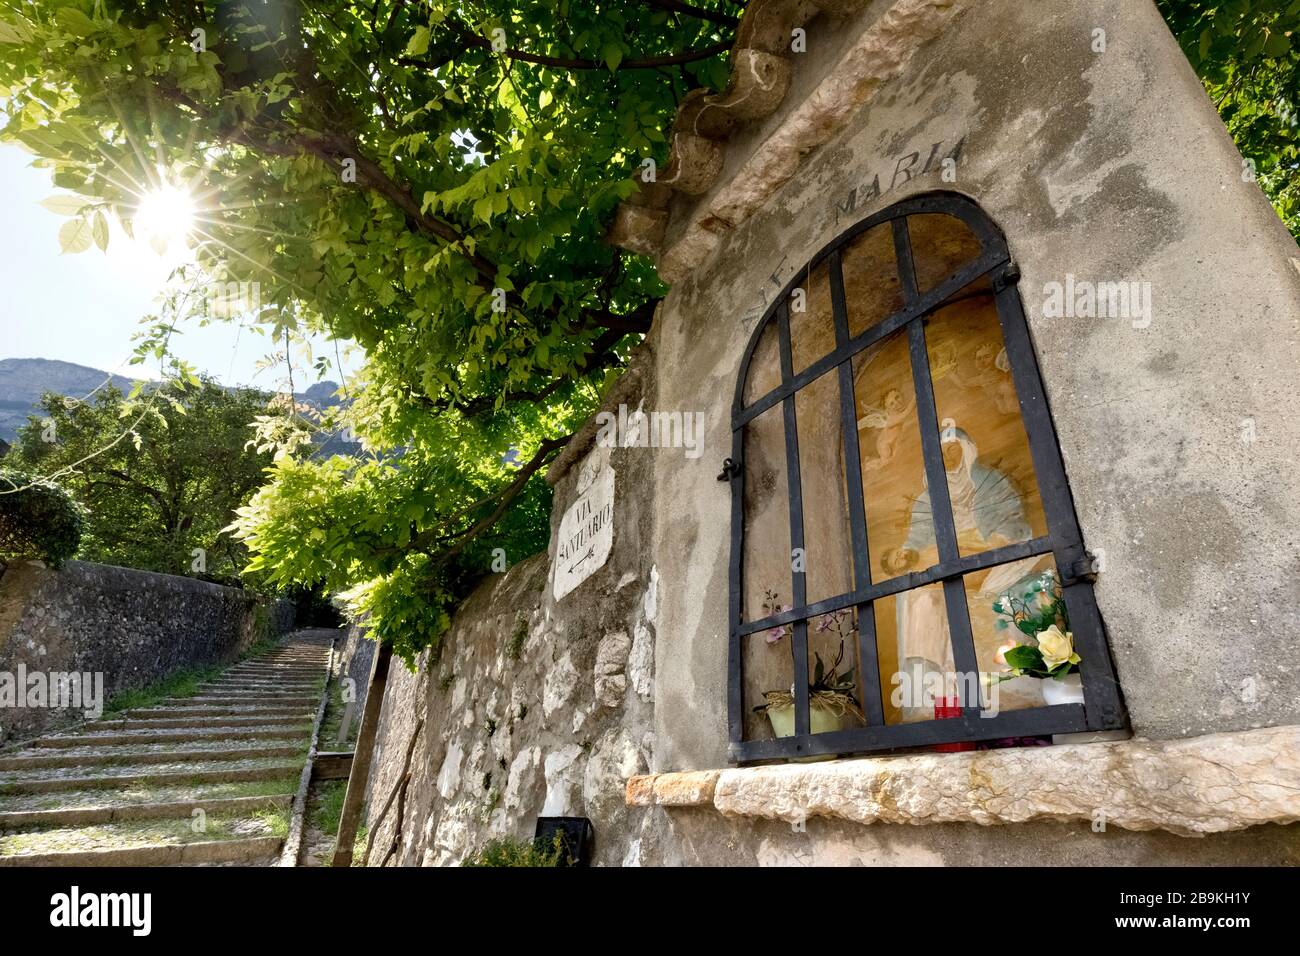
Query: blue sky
[84, 308]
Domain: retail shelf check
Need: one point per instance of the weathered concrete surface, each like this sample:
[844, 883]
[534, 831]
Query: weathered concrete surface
[1202, 785]
[1109, 167]
[132, 626]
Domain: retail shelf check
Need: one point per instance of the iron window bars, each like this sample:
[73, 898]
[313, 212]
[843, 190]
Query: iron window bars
[1103, 707]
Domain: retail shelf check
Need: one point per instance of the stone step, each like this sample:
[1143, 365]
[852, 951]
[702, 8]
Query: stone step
[181, 723]
[250, 700]
[179, 854]
[277, 667]
[155, 713]
[269, 693]
[61, 760]
[260, 693]
[144, 793]
[265, 687]
[182, 776]
[165, 737]
[118, 813]
[123, 791]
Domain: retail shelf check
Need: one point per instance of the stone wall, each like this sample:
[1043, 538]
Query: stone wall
[534, 706]
[132, 626]
[355, 659]
[1111, 166]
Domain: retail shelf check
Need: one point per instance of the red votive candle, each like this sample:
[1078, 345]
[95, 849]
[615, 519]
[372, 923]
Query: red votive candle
[945, 707]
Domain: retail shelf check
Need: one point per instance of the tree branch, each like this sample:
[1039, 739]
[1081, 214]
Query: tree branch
[506, 495]
[403, 780]
[713, 16]
[572, 63]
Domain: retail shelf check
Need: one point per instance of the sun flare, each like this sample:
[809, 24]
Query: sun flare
[165, 218]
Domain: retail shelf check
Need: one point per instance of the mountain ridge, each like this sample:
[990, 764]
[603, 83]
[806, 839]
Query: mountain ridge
[24, 380]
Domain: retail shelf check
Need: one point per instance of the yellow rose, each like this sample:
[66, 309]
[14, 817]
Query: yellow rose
[1056, 648]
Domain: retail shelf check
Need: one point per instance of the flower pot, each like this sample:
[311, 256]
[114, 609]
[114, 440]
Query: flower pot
[1067, 691]
[821, 719]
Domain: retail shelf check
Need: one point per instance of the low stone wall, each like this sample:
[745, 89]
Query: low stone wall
[354, 662]
[131, 626]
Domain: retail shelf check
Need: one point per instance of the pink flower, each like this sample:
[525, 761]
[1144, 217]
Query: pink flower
[776, 633]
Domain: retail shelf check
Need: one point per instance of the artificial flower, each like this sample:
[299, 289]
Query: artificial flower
[1056, 647]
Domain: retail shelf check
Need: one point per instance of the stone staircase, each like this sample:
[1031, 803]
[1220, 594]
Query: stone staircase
[207, 779]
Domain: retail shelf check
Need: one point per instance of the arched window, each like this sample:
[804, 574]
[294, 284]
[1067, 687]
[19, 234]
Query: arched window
[900, 514]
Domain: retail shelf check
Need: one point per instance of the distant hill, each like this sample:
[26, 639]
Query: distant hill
[24, 380]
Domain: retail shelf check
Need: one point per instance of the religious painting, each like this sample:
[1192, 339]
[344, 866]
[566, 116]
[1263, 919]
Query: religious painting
[991, 487]
[988, 470]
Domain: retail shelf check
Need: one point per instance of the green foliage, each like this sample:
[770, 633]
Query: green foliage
[327, 809]
[38, 519]
[182, 682]
[359, 846]
[508, 852]
[1025, 659]
[1245, 53]
[832, 680]
[185, 682]
[159, 475]
[327, 142]
[275, 819]
[1039, 605]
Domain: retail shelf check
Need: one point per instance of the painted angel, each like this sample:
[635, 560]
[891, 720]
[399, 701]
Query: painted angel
[887, 420]
[991, 372]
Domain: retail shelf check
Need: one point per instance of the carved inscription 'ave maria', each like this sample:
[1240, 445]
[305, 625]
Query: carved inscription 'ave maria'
[941, 160]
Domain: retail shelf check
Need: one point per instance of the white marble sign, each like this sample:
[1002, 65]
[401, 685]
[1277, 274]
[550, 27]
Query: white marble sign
[586, 533]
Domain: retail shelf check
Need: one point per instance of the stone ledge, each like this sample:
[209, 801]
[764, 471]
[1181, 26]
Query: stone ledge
[691, 789]
[1191, 787]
